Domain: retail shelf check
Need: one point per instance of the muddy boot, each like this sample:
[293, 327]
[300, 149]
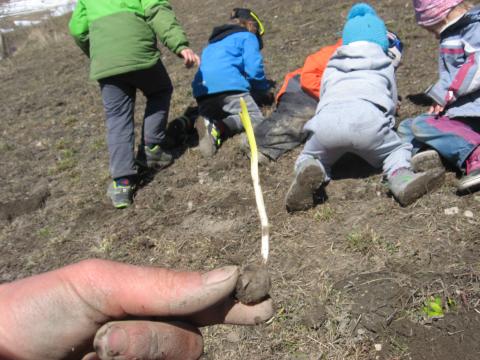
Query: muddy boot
[426, 160]
[407, 186]
[471, 181]
[209, 137]
[308, 179]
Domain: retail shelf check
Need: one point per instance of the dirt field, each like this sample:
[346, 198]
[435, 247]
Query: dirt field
[350, 277]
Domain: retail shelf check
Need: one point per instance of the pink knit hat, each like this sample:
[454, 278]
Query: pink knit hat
[430, 12]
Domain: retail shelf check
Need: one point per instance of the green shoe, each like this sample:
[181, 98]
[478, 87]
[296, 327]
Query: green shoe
[121, 195]
[157, 158]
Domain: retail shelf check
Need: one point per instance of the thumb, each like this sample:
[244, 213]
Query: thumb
[140, 291]
[148, 341]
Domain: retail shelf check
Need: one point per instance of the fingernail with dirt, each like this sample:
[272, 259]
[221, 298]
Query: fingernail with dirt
[111, 341]
[217, 285]
[220, 276]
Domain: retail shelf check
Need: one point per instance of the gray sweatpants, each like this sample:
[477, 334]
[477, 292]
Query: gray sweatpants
[225, 108]
[356, 127]
[118, 93]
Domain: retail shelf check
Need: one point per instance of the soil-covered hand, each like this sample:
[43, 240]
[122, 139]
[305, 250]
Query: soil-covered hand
[189, 58]
[74, 312]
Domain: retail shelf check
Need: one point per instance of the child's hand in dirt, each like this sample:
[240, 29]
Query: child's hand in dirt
[58, 314]
[436, 109]
[189, 58]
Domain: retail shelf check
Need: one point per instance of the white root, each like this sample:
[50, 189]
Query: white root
[247, 124]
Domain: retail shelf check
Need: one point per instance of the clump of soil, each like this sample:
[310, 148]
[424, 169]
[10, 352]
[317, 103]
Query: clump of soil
[253, 284]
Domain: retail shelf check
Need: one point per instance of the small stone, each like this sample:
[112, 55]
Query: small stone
[468, 214]
[190, 205]
[378, 347]
[452, 211]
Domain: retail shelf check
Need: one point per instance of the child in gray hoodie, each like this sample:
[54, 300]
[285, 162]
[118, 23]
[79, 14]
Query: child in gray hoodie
[356, 115]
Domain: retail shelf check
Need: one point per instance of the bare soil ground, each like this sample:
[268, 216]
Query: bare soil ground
[350, 277]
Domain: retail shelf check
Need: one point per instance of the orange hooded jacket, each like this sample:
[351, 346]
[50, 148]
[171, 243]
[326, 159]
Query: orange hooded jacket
[312, 71]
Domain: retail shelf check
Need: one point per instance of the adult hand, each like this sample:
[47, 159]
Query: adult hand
[189, 58]
[57, 314]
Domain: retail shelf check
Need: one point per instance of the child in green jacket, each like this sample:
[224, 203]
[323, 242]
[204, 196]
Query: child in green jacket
[120, 39]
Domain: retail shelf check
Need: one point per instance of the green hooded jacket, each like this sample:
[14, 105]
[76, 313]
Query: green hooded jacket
[120, 36]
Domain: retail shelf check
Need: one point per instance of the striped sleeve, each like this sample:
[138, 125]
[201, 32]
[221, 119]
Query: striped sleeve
[458, 67]
[467, 79]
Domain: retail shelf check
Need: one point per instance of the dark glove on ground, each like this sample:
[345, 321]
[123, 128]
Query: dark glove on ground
[421, 99]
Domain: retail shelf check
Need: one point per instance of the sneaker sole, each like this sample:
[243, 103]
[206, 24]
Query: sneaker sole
[430, 181]
[157, 165]
[121, 206]
[469, 184]
[300, 195]
[426, 161]
[205, 145]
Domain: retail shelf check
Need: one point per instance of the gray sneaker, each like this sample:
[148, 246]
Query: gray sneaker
[121, 195]
[426, 160]
[308, 179]
[407, 186]
[470, 182]
[157, 158]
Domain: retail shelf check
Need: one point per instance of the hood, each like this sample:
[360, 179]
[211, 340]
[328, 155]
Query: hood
[360, 55]
[221, 32]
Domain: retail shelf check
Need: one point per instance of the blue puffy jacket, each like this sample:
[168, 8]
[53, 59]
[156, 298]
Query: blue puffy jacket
[232, 61]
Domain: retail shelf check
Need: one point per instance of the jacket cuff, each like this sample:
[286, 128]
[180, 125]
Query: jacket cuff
[180, 49]
[437, 95]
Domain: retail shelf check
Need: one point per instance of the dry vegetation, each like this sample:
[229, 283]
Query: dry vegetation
[350, 274]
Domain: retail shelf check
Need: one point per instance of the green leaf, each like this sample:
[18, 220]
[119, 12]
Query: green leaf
[434, 308]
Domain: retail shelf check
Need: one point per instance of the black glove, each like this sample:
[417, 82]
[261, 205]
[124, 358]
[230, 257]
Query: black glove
[421, 99]
[180, 128]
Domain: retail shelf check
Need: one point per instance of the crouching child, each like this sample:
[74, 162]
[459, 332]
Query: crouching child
[355, 115]
[231, 68]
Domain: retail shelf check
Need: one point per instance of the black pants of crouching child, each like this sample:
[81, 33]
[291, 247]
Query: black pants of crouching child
[282, 131]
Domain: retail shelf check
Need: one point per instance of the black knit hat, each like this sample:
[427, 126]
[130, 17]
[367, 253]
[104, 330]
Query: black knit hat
[247, 14]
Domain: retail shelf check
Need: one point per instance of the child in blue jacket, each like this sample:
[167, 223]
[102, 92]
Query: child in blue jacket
[231, 68]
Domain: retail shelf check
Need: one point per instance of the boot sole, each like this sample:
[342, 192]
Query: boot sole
[205, 145]
[425, 161]
[301, 192]
[430, 181]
